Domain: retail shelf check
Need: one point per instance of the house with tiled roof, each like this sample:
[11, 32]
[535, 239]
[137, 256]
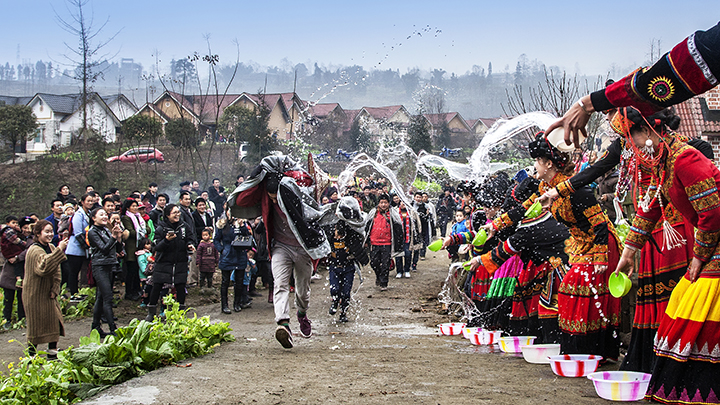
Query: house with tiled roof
[60, 117]
[460, 132]
[389, 121]
[700, 118]
[279, 121]
[205, 110]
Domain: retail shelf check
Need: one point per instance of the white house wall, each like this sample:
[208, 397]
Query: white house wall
[122, 109]
[57, 132]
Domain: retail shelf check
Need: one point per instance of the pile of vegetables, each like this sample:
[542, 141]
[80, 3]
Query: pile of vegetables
[97, 364]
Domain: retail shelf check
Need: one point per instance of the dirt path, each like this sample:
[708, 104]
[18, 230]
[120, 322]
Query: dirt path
[386, 353]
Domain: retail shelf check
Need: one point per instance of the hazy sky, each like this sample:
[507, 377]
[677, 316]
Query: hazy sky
[575, 35]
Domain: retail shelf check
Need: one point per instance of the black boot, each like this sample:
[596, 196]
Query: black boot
[98, 327]
[224, 305]
[343, 315]
[112, 327]
[152, 310]
[333, 307]
[237, 306]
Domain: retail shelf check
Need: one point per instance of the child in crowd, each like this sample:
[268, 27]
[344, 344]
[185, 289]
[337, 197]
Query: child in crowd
[460, 226]
[144, 257]
[250, 271]
[207, 257]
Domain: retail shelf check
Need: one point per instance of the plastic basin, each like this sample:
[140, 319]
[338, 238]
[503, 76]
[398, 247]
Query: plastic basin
[620, 385]
[619, 284]
[534, 210]
[450, 329]
[511, 344]
[574, 365]
[436, 245]
[480, 238]
[538, 354]
[485, 337]
[466, 332]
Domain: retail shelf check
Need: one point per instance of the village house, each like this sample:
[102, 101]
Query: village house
[460, 133]
[384, 122]
[60, 117]
[700, 118]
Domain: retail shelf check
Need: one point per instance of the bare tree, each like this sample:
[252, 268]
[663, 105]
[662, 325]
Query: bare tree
[85, 57]
[556, 94]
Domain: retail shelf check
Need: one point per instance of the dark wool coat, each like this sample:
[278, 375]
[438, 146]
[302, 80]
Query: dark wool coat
[171, 256]
[41, 288]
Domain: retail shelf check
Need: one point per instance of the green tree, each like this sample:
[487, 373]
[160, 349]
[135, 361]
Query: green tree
[181, 133]
[17, 124]
[249, 125]
[142, 129]
[419, 134]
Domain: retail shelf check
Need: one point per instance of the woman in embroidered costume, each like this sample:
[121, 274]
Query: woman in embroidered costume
[492, 293]
[540, 244]
[659, 272]
[687, 343]
[588, 315]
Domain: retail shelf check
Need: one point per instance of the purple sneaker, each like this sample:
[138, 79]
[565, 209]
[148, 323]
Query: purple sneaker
[284, 336]
[305, 327]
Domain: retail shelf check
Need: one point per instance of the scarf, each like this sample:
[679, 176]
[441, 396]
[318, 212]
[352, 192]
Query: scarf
[139, 225]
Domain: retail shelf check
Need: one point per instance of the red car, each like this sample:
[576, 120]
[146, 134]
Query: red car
[149, 155]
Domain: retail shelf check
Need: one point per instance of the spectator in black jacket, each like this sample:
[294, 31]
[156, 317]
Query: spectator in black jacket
[201, 220]
[156, 214]
[173, 244]
[105, 245]
[216, 193]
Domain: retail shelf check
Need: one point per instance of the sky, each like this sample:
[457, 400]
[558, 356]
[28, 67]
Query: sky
[579, 36]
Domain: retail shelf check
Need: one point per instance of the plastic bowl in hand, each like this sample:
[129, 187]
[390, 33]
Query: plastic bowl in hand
[574, 365]
[451, 329]
[538, 354]
[485, 337]
[534, 210]
[436, 245]
[480, 238]
[619, 284]
[557, 139]
[620, 385]
[466, 332]
[511, 344]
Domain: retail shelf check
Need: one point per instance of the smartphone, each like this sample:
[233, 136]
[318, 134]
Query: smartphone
[171, 233]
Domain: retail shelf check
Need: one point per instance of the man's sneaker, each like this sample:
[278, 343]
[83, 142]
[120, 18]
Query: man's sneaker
[383, 288]
[305, 327]
[407, 275]
[316, 276]
[284, 336]
[399, 275]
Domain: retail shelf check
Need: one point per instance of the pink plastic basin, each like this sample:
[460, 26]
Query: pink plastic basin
[574, 365]
[451, 329]
[466, 332]
[511, 344]
[620, 385]
[485, 337]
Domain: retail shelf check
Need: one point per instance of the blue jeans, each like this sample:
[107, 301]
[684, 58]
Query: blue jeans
[341, 282]
[402, 263]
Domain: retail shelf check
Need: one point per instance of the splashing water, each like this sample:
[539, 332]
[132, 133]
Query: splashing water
[347, 177]
[479, 164]
[454, 298]
[402, 161]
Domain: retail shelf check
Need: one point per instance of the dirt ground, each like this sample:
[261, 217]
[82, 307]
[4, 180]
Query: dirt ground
[388, 352]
